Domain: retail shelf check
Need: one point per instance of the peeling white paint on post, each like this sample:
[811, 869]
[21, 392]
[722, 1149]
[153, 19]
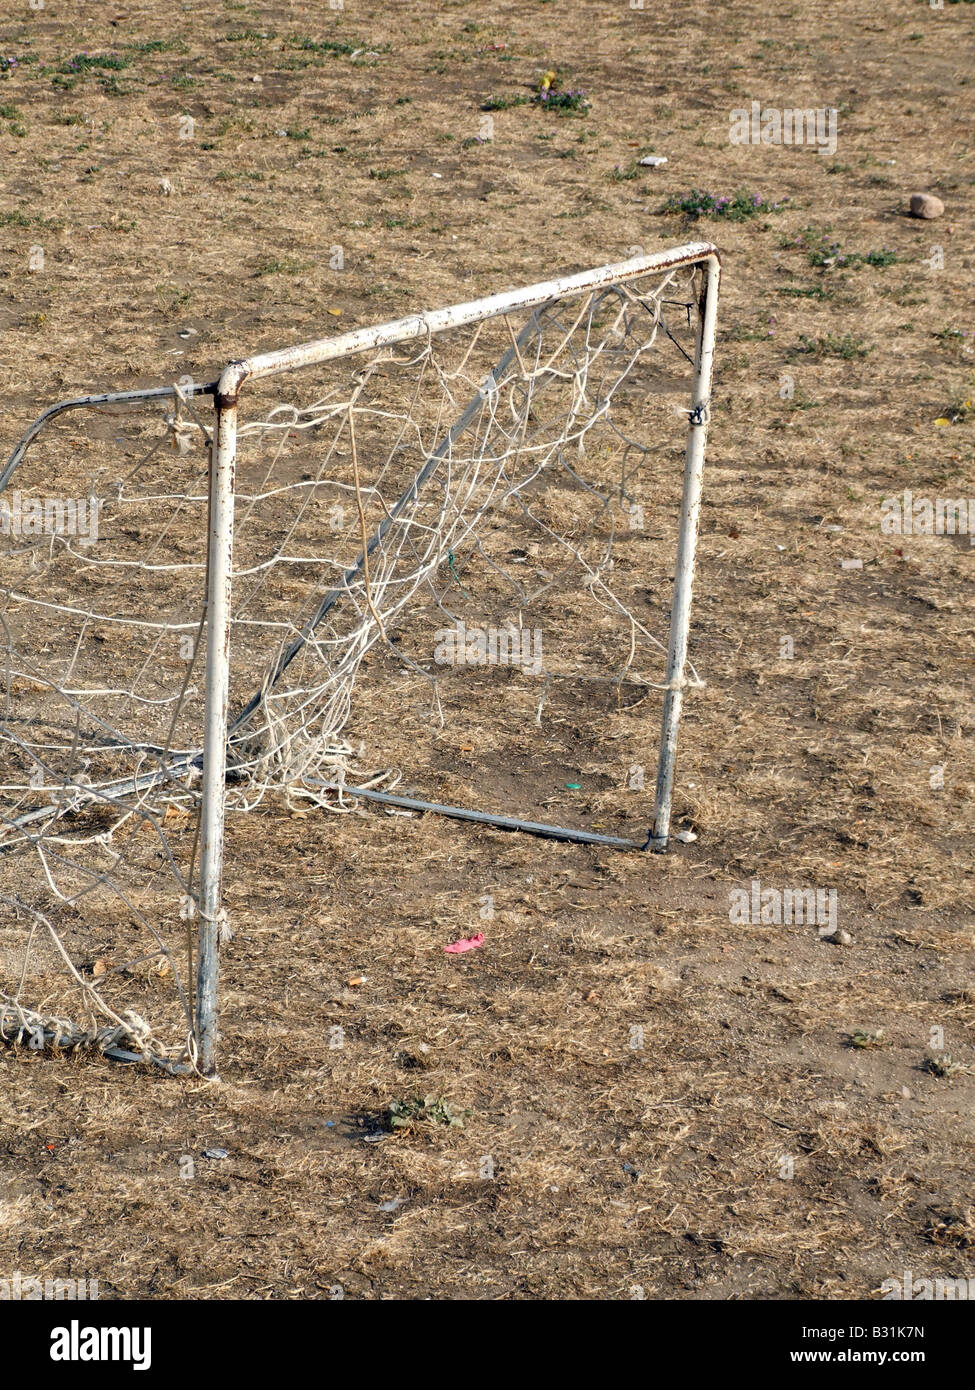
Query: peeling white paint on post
[213, 794]
[686, 544]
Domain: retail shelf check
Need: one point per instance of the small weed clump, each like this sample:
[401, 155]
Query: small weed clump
[276, 266]
[741, 206]
[846, 346]
[431, 1110]
[94, 62]
[548, 95]
[944, 1067]
[554, 98]
[503, 103]
[103, 66]
[826, 254]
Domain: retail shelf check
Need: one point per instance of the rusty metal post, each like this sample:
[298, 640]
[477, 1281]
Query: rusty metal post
[686, 542]
[220, 544]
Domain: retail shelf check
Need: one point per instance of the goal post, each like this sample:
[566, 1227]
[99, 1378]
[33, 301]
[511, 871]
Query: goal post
[690, 511]
[220, 547]
[454, 458]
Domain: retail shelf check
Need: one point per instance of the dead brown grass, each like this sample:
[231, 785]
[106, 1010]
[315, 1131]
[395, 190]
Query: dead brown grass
[614, 1167]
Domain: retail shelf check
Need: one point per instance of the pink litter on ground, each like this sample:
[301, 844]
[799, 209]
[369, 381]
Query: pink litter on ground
[467, 943]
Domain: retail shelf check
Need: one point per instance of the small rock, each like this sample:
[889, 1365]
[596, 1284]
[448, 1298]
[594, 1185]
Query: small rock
[926, 205]
[840, 937]
[393, 1204]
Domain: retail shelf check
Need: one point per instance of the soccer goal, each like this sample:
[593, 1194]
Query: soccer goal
[466, 533]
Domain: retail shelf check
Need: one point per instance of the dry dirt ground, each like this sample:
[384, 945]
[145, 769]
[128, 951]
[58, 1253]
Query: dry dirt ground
[789, 1127]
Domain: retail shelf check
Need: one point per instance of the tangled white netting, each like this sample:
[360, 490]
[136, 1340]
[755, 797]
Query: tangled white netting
[488, 469]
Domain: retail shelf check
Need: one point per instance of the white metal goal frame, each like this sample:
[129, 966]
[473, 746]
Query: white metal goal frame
[226, 393]
[238, 373]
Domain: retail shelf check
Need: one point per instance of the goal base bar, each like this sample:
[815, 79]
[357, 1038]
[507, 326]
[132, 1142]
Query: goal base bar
[528, 827]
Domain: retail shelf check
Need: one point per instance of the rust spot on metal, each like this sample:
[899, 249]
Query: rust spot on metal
[706, 272]
[238, 370]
